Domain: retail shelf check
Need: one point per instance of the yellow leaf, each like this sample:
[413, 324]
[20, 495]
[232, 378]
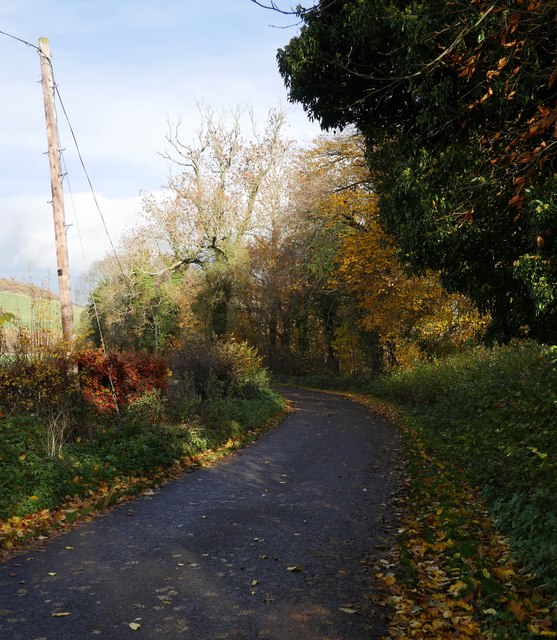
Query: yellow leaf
[517, 609]
[486, 573]
[62, 614]
[254, 582]
[389, 579]
[134, 626]
[503, 573]
[538, 631]
[490, 612]
[52, 573]
[22, 457]
[457, 586]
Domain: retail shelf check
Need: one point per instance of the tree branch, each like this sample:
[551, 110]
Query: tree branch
[178, 265]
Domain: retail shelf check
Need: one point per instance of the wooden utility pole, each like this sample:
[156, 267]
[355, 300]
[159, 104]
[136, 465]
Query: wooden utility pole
[62, 260]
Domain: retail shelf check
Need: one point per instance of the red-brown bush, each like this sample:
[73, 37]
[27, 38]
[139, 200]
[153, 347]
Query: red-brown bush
[128, 375]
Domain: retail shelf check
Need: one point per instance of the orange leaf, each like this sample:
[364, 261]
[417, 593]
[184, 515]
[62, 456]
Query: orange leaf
[517, 609]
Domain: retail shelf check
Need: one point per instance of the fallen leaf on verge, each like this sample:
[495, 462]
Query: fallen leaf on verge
[293, 568]
[62, 614]
[389, 580]
[134, 626]
[518, 610]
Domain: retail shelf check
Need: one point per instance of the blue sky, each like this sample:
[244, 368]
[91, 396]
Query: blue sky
[124, 68]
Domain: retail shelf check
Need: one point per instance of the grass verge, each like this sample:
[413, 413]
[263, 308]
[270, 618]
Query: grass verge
[39, 495]
[453, 573]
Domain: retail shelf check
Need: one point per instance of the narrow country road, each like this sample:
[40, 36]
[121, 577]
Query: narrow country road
[207, 557]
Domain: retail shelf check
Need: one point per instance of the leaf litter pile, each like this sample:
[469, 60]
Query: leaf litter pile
[452, 574]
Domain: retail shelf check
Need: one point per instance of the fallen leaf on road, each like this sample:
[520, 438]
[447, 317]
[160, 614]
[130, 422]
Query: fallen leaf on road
[348, 610]
[62, 614]
[134, 626]
[294, 568]
[52, 573]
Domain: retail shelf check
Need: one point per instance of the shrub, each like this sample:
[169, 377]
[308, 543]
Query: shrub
[241, 370]
[67, 390]
[491, 412]
[149, 409]
[219, 369]
[44, 383]
[120, 377]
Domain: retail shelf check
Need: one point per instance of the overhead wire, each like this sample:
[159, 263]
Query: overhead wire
[93, 301]
[29, 44]
[89, 180]
[66, 177]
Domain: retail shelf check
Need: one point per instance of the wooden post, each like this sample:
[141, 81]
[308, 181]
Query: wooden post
[62, 260]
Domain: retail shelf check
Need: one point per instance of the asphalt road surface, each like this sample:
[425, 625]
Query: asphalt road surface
[275, 542]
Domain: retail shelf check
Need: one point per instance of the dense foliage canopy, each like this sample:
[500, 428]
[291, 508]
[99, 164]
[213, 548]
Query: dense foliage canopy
[279, 247]
[457, 103]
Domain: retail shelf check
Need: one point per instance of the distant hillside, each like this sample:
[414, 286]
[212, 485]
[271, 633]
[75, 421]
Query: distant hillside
[27, 288]
[32, 306]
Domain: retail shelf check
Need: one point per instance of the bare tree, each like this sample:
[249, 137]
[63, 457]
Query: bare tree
[219, 199]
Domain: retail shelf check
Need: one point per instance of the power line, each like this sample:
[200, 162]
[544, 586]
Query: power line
[29, 44]
[89, 180]
[103, 343]
[93, 300]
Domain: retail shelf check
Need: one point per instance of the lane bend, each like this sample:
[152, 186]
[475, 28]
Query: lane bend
[207, 556]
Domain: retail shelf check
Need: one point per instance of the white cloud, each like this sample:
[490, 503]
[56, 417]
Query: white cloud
[28, 248]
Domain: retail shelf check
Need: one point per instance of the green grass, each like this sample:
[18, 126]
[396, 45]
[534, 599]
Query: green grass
[33, 312]
[492, 416]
